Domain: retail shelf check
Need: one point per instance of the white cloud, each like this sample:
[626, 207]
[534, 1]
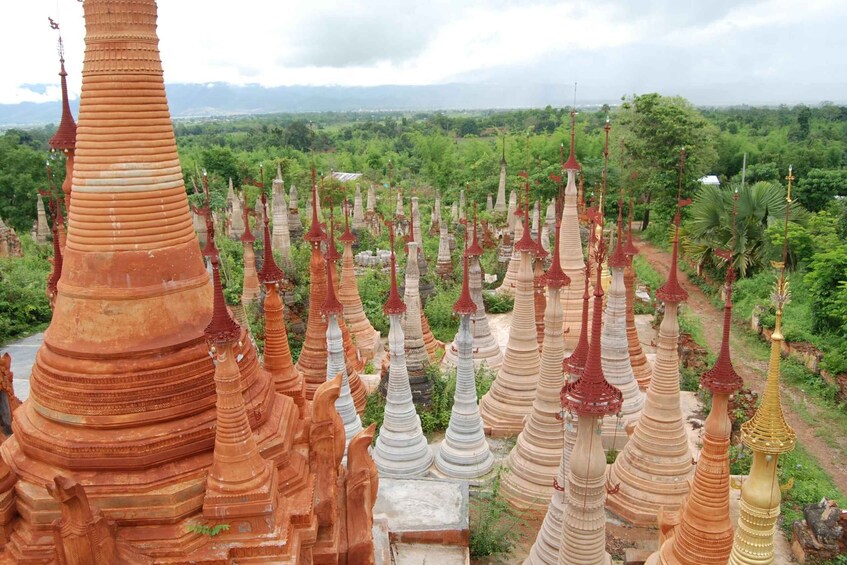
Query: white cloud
[361, 42]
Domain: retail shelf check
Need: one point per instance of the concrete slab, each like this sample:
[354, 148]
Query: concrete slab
[23, 358]
[429, 554]
[424, 510]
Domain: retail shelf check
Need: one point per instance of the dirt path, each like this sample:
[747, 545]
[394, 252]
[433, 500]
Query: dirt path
[752, 370]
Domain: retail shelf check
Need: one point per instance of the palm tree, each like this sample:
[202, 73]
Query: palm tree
[709, 225]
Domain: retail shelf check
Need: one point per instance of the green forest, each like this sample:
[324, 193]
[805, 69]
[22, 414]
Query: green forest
[449, 150]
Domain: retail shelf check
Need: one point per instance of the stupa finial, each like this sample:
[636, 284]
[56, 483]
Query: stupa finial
[56, 214]
[619, 257]
[671, 291]
[474, 250]
[394, 304]
[315, 235]
[572, 164]
[347, 236]
[222, 328]
[465, 304]
[722, 378]
[270, 272]
[525, 243]
[65, 137]
[556, 277]
[331, 305]
[592, 394]
[630, 249]
[767, 431]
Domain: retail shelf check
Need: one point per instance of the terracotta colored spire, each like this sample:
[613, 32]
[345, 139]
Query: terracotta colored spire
[56, 272]
[574, 364]
[331, 305]
[768, 435]
[704, 533]
[539, 255]
[394, 304]
[313, 356]
[555, 276]
[276, 358]
[591, 394]
[641, 367]
[250, 289]
[525, 243]
[671, 291]
[474, 249]
[64, 139]
[465, 304]
[240, 482]
[619, 258]
[270, 271]
[366, 337]
[222, 328]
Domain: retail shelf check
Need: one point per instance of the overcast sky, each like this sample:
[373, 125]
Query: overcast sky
[713, 51]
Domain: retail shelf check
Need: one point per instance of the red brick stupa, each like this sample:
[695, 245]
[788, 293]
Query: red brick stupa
[140, 437]
[64, 140]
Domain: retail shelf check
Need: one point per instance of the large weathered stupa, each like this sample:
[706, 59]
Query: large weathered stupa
[140, 437]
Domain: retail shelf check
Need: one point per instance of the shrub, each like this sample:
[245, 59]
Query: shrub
[373, 289]
[492, 522]
[497, 303]
[24, 307]
[436, 416]
[374, 412]
[484, 379]
[439, 312]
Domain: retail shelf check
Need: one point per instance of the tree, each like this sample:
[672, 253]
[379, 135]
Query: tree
[709, 225]
[22, 173]
[818, 187]
[655, 128]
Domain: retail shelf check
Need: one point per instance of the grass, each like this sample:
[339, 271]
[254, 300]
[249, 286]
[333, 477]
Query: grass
[811, 483]
[647, 275]
[491, 522]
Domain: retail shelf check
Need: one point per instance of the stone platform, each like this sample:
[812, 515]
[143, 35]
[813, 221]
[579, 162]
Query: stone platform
[424, 511]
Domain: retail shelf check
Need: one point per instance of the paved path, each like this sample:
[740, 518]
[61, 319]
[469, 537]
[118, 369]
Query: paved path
[23, 358]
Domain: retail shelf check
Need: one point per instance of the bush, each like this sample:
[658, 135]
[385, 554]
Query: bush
[374, 412]
[436, 416]
[484, 379]
[497, 303]
[24, 308]
[492, 522]
[439, 312]
[373, 289]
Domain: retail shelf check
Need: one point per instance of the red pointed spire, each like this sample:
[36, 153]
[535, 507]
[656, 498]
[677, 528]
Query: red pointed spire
[722, 378]
[395, 304]
[630, 249]
[526, 243]
[247, 236]
[475, 250]
[671, 291]
[555, 276]
[347, 236]
[315, 234]
[331, 305]
[270, 272]
[332, 253]
[575, 363]
[540, 252]
[206, 211]
[56, 212]
[465, 304]
[411, 236]
[65, 137]
[591, 394]
[222, 328]
[572, 164]
[619, 258]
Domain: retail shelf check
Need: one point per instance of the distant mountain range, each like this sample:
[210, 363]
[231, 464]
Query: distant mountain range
[222, 99]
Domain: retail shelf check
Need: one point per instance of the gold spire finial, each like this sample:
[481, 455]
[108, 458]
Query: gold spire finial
[767, 431]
